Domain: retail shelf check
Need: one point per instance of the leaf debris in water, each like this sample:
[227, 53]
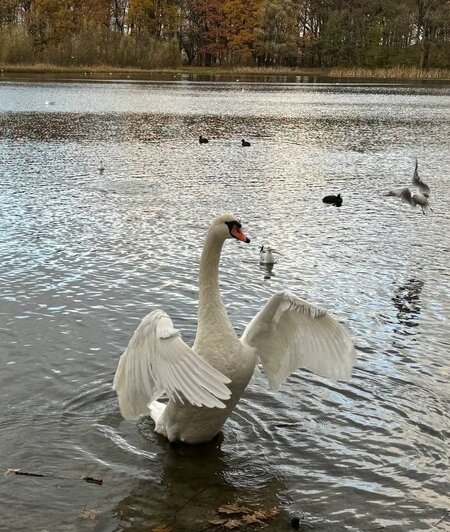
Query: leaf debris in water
[233, 509]
[90, 514]
[237, 516]
[162, 528]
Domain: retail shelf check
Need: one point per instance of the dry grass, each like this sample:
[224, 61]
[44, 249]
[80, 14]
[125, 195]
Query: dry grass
[49, 68]
[337, 72]
[390, 73]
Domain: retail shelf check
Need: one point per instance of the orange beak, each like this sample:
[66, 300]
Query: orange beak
[240, 235]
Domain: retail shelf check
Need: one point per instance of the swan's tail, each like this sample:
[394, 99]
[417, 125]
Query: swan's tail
[156, 410]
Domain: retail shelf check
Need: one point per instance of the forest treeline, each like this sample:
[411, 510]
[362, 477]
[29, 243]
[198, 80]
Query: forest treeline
[167, 33]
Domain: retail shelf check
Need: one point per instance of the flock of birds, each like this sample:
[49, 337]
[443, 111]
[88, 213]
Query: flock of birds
[191, 391]
[204, 140]
[412, 197]
[406, 194]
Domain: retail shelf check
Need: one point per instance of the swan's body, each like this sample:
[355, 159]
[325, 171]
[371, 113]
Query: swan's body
[205, 382]
[414, 198]
[266, 255]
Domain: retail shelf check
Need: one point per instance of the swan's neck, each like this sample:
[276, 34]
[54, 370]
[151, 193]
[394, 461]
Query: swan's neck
[212, 315]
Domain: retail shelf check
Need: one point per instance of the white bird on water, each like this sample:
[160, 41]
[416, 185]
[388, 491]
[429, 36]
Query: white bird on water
[414, 198]
[101, 168]
[204, 382]
[266, 255]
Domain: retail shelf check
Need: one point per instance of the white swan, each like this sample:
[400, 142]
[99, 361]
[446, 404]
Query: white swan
[204, 383]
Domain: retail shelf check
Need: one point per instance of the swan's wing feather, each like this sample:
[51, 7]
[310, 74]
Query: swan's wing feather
[290, 333]
[417, 182]
[158, 361]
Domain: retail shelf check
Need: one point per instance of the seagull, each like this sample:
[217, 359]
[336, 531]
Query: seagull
[266, 255]
[414, 198]
[203, 140]
[245, 143]
[334, 200]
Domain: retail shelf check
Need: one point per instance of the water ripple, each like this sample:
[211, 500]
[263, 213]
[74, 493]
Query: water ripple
[84, 256]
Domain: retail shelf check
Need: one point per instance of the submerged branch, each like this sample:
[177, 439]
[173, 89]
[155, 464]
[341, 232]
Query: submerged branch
[91, 480]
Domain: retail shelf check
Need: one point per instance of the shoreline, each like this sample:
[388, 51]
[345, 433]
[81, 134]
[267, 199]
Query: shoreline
[335, 73]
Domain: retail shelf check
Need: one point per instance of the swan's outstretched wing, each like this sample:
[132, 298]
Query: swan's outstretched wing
[290, 333]
[417, 182]
[157, 361]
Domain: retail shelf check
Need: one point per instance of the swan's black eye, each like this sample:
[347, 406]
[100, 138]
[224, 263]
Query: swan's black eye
[234, 223]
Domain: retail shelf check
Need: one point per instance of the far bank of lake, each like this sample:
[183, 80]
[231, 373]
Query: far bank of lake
[187, 73]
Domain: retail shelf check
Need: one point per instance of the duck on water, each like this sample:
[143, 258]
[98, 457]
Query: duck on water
[334, 200]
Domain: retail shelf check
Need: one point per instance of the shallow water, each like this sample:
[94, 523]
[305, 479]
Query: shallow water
[84, 256]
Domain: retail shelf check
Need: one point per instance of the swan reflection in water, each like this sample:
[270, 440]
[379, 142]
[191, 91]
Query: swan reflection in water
[194, 481]
[407, 300]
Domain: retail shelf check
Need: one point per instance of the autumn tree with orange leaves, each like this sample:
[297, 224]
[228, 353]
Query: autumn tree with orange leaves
[156, 33]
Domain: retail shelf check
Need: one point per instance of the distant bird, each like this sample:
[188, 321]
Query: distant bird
[334, 200]
[203, 140]
[245, 143]
[266, 255]
[49, 103]
[101, 168]
[414, 198]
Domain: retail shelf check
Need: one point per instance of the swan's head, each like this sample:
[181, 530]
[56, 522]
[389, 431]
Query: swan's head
[228, 226]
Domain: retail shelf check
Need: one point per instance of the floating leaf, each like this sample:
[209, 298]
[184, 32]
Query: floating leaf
[241, 516]
[232, 523]
[251, 519]
[233, 509]
[162, 528]
[93, 480]
[90, 514]
[11, 472]
[267, 514]
[218, 522]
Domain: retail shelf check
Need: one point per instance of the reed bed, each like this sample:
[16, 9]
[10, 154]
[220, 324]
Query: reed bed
[336, 72]
[391, 73]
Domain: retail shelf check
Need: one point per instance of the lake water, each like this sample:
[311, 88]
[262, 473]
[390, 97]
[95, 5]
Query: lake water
[84, 256]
